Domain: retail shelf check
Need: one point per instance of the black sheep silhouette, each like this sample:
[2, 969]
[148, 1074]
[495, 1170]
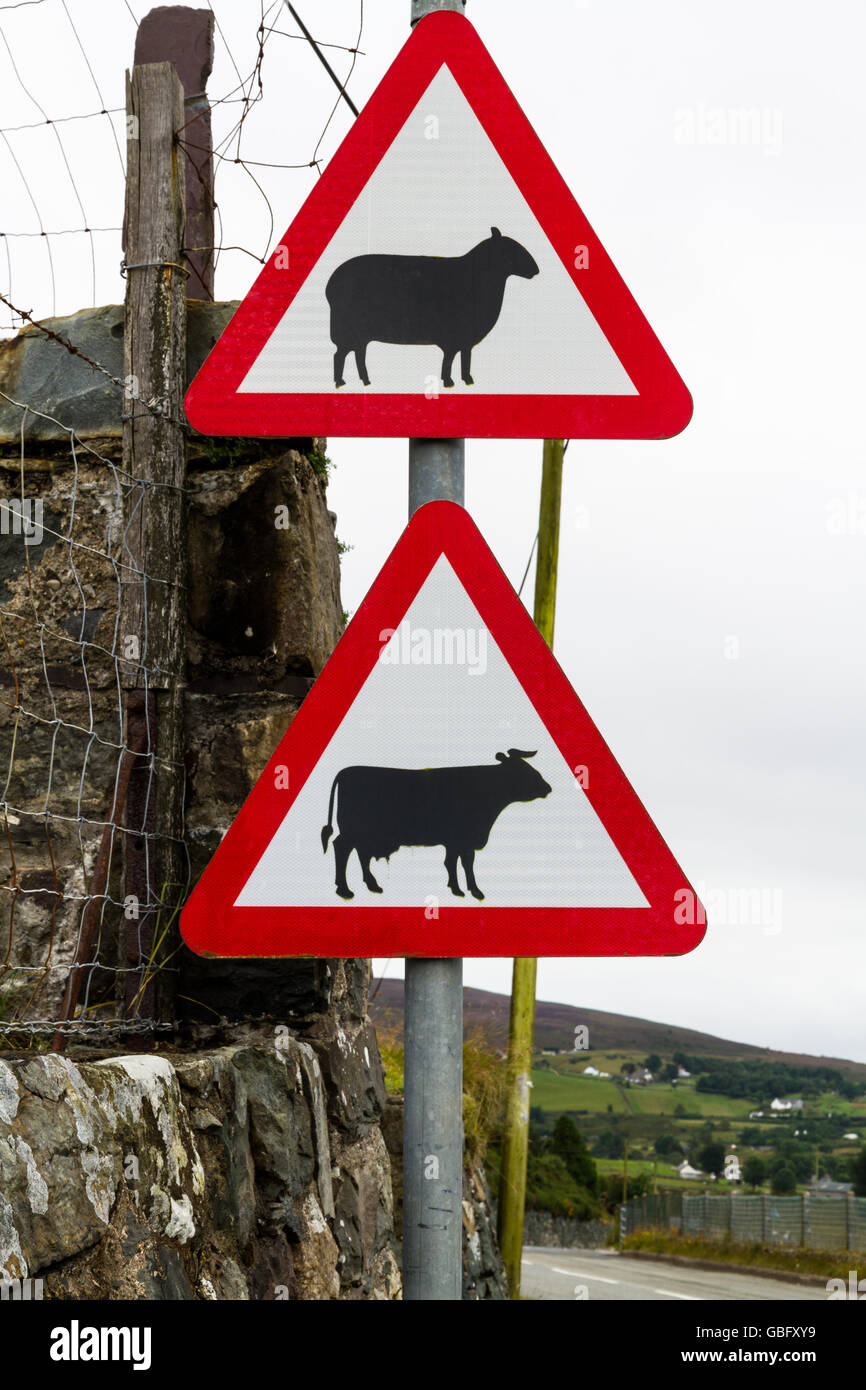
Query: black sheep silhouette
[450, 302]
[382, 808]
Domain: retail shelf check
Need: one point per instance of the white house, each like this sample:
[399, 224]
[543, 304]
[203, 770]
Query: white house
[641, 1077]
[591, 1071]
[686, 1170]
[681, 1071]
[756, 1114]
[786, 1105]
[851, 1136]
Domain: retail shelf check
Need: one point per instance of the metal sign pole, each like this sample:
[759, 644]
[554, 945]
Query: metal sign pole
[433, 1004]
[433, 1031]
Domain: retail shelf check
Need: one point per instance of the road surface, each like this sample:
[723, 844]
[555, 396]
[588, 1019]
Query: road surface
[601, 1274]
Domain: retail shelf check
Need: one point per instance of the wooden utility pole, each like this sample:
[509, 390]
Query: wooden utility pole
[152, 627]
[515, 1137]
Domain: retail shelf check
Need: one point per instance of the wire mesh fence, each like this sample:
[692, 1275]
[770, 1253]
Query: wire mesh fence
[65, 751]
[91, 879]
[818, 1222]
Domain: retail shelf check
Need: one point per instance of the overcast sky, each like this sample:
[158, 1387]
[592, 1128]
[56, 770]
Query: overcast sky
[711, 587]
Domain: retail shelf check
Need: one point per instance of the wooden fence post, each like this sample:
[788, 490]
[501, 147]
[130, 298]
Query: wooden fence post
[183, 36]
[152, 627]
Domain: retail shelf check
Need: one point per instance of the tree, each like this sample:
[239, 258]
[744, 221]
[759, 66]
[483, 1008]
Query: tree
[711, 1157]
[754, 1171]
[637, 1185]
[568, 1143]
[627, 1068]
[550, 1186]
[609, 1144]
[653, 1062]
[784, 1181]
[789, 1154]
[667, 1144]
[669, 1071]
[858, 1173]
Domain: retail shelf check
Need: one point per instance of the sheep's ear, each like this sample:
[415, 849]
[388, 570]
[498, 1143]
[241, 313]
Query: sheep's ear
[495, 231]
[501, 758]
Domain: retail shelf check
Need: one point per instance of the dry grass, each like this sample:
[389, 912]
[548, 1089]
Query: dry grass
[754, 1256]
[483, 1082]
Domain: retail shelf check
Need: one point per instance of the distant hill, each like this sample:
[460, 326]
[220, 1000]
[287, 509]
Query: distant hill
[555, 1024]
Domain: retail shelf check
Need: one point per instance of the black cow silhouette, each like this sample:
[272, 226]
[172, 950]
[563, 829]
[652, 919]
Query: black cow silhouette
[450, 302]
[382, 808]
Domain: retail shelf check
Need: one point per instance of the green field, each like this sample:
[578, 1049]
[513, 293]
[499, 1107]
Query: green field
[555, 1092]
[660, 1099]
[558, 1091]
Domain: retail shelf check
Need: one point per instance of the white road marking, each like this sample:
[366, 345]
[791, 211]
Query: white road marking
[692, 1297]
[579, 1274]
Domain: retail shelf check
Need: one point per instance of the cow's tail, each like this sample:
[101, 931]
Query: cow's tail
[328, 830]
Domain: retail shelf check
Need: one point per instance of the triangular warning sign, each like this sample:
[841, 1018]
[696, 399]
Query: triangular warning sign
[442, 791]
[440, 280]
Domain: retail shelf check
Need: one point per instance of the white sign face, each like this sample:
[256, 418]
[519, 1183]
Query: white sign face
[441, 695]
[439, 191]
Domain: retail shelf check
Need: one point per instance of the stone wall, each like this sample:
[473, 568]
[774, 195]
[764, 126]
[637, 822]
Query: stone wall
[542, 1228]
[232, 1173]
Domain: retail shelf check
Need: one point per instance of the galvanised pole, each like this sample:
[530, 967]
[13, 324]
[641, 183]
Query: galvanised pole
[433, 1002]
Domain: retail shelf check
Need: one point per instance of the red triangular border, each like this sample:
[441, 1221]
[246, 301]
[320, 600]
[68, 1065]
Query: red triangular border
[212, 925]
[663, 406]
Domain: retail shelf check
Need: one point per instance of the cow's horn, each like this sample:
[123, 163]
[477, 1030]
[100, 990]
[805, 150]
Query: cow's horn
[521, 753]
[501, 758]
